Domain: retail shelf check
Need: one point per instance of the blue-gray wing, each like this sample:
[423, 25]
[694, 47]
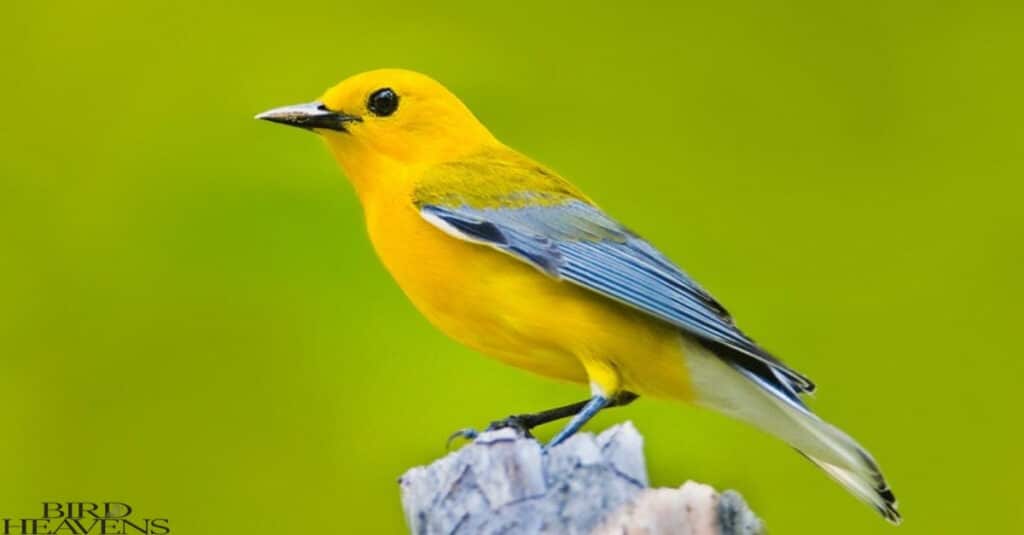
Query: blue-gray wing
[576, 242]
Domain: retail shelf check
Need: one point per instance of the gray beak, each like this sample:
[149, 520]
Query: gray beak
[310, 116]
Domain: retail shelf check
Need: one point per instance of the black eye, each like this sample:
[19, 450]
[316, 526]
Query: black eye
[383, 102]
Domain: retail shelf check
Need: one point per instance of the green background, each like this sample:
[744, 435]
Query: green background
[192, 320]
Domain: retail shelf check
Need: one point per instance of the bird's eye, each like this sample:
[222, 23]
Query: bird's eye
[383, 102]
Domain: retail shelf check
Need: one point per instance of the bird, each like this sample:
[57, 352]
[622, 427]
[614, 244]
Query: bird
[507, 257]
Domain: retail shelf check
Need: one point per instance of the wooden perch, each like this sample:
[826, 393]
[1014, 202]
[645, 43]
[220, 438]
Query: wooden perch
[502, 483]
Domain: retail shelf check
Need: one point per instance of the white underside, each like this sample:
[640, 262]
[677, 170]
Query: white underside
[724, 389]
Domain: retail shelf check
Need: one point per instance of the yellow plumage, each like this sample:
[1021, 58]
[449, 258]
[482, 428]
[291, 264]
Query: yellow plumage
[510, 259]
[506, 309]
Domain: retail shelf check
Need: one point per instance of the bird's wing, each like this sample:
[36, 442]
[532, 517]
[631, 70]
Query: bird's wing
[570, 239]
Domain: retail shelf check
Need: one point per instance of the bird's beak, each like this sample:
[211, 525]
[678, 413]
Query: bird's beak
[310, 116]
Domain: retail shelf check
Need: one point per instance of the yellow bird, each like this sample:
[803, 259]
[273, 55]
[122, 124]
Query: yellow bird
[507, 257]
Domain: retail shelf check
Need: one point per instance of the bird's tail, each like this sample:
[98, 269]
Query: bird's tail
[771, 405]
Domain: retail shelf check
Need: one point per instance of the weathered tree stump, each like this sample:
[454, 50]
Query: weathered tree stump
[502, 483]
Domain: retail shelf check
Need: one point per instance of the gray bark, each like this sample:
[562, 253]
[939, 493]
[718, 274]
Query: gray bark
[505, 484]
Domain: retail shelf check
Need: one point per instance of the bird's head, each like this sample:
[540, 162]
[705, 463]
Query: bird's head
[388, 114]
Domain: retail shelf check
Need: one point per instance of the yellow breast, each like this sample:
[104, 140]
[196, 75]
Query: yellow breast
[506, 309]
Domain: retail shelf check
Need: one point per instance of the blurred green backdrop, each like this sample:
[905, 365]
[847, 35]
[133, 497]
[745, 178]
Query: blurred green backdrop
[192, 320]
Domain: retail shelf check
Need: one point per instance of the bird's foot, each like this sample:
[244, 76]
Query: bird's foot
[467, 433]
[520, 423]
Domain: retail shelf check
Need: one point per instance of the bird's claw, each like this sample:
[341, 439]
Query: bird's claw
[517, 423]
[467, 433]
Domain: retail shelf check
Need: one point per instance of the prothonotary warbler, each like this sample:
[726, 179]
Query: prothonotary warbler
[507, 257]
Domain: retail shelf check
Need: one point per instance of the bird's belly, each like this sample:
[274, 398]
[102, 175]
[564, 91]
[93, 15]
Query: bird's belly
[505, 308]
[486, 300]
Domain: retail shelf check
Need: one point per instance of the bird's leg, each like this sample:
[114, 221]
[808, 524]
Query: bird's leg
[592, 407]
[523, 423]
